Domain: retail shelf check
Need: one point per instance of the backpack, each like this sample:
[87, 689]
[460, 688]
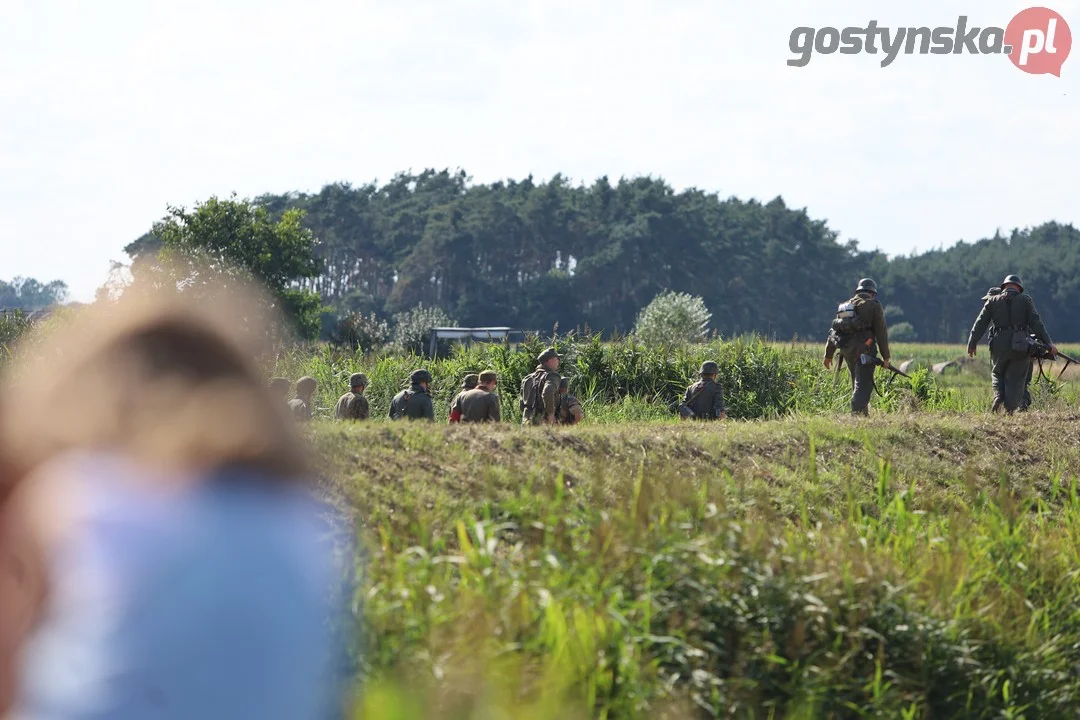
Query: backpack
[532, 389]
[847, 323]
[404, 405]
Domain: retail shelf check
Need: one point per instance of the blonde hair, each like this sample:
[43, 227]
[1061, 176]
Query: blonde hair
[160, 377]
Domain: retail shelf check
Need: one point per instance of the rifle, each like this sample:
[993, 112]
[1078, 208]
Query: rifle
[866, 359]
[1041, 351]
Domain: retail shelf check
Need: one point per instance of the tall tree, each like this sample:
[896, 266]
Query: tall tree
[235, 237]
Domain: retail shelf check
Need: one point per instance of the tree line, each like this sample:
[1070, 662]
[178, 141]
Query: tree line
[532, 254]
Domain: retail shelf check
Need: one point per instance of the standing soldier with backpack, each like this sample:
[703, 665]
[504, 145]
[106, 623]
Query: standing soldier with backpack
[540, 391]
[414, 403]
[704, 399]
[999, 397]
[1013, 316]
[858, 330]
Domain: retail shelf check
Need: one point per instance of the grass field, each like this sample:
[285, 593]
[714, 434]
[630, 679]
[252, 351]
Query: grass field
[810, 567]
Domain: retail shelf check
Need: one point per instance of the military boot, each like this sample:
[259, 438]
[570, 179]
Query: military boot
[999, 402]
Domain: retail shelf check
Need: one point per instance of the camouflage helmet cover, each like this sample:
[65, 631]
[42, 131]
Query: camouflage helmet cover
[357, 379]
[470, 381]
[709, 368]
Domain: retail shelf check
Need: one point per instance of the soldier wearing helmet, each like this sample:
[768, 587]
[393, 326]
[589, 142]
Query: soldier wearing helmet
[353, 405]
[704, 400]
[414, 402]
[301, 404]
[1011, 318]
[859, 330]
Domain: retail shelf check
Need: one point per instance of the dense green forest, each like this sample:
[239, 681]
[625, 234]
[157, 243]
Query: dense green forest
[532, 254]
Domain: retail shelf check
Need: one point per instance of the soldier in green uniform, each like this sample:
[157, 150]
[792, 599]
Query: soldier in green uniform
[999, 399]
[569, 411]
[1013, 316]
[279, 388]
[481, 404]
[301, 404]
[468, 383]
[414, 402]
[353, 405]
[704, 400]
[859, 330]
[540, 390]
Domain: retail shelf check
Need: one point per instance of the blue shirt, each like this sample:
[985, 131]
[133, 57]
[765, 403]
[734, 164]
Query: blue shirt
[222, 600]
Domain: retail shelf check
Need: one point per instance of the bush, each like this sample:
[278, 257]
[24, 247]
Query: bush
[903, 332]
[357, 331]
[412, 328]
[673, 319]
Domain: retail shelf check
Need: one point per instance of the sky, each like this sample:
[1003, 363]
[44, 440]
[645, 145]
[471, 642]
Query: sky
[112, 110]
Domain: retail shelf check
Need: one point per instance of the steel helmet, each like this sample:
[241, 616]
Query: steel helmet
[1013, 280]
[866, 285]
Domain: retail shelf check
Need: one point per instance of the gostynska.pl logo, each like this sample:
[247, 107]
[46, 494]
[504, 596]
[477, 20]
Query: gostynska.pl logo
[1037, 40]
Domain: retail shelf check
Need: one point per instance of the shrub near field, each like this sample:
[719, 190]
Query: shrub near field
[901, 566]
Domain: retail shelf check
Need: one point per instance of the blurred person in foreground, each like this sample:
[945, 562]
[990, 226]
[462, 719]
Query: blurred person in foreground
[190, 572]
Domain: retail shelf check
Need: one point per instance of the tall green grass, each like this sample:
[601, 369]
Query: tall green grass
[626, 381]
[681, 589]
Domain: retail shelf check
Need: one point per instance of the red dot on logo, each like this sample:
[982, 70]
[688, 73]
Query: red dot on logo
[1040, 40]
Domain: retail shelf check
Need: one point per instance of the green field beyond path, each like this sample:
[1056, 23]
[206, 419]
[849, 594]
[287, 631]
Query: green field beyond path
[901, 566]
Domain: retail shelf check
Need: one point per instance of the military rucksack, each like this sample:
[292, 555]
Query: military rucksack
[848, 324]
[532, 390]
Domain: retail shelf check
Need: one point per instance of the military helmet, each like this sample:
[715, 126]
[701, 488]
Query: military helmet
[488, 376]
[709, 368]
[1013, 280]
[866, 285]
[306, 384]
[470, 381]
[419, 376]
[279, 384]
[547, 355]
[564, 384]
[357, 379]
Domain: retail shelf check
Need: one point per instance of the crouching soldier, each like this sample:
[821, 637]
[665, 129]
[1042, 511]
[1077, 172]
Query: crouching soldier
[704, 399]
[569, 412]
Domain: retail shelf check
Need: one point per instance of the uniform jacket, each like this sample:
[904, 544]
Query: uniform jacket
[417, 406]
[352, 406]
[706, 399]
[480, 405]
[1008, 311]
[549, 394]
[567, 404]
